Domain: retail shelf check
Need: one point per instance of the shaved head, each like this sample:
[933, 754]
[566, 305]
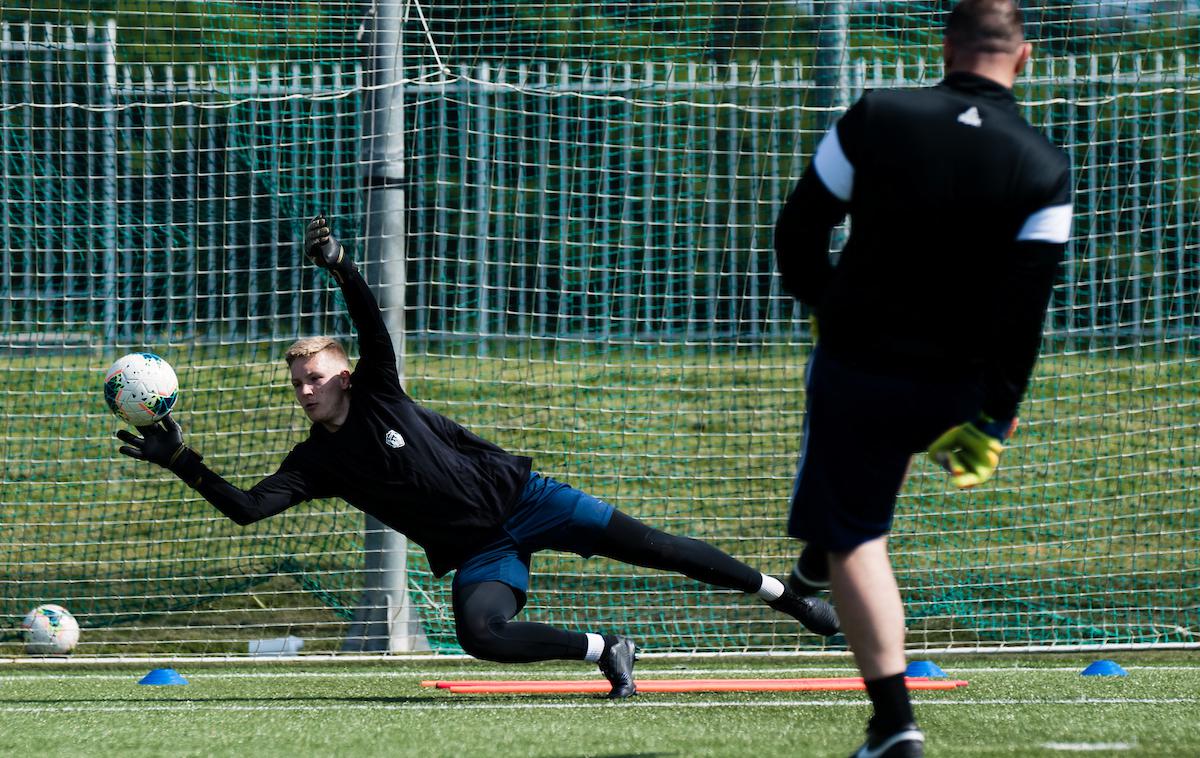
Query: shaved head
[986, 38]
[986, 27]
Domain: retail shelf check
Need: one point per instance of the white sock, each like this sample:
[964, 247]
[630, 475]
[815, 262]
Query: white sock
[595, 647]
[771, 589]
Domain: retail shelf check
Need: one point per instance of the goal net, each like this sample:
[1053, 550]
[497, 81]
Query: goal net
[589, 193]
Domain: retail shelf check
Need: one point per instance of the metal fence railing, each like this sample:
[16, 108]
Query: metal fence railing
[620, 202]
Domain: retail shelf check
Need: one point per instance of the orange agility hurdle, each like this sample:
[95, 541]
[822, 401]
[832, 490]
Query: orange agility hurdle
[446, 684]
[558, 686]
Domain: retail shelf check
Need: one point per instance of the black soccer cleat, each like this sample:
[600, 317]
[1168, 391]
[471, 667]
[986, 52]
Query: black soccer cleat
[816, 615]
[617, 666]
[908, 742]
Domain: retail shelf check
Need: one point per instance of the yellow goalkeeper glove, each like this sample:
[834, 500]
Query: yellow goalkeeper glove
[971, 451]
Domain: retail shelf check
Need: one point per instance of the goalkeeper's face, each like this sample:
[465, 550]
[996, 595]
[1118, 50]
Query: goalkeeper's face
[322, 386]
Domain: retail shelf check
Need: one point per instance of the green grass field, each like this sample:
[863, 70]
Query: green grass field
[1027, 706]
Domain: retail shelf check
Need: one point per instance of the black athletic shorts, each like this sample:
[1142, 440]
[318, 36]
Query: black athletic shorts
[860, 432]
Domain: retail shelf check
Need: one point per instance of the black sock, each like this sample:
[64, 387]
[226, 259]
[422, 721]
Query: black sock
[812, 567]
[893, 710]
[810, 575]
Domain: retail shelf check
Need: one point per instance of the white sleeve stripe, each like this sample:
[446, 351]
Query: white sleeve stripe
[1050, 224]
[833, 167]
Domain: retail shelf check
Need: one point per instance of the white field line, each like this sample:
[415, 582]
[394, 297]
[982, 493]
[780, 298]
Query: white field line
[515, 673]
[459, 706]
[727, 655]
[1089, 747]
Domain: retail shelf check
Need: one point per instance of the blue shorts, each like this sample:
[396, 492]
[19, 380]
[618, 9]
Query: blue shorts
[860, 433]
[550, 516]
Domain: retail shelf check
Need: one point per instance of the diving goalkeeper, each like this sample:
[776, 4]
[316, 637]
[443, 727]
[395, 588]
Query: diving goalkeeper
[475, 508]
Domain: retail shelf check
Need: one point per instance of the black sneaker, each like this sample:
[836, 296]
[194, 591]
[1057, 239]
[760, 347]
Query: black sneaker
[817, 616]
[617, 666]
[909, 742]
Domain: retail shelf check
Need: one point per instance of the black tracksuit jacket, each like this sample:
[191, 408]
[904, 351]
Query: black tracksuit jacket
[959, 216]
[413, 469]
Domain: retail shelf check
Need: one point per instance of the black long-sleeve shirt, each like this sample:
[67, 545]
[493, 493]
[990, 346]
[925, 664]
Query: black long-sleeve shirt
[413, 469]
[959, 216]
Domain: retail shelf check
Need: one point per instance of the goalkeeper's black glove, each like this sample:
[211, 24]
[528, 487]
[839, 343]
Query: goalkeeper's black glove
[162, 443]
[324, 250]
[971, 451]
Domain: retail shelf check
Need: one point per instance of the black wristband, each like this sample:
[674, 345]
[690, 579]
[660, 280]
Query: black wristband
[186, 464]
[343, 268]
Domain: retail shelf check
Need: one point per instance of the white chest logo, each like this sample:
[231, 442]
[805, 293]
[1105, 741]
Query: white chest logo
[393, 439]
[970, 117]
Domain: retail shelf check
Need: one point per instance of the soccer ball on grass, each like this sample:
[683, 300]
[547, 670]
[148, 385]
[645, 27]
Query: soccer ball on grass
[141, 388]
[50, 630]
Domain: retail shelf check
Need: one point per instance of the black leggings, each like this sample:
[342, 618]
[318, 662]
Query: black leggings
[630, 541]
[483, 612]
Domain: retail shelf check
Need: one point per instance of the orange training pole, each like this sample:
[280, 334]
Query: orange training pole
[448, 683]
[689, 685]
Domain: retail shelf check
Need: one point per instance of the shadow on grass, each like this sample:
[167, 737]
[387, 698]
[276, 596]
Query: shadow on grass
[348, 700]
[201, 700]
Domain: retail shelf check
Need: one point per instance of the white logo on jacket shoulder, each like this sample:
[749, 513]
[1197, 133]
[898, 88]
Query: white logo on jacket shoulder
[393, 438]
[970, 117]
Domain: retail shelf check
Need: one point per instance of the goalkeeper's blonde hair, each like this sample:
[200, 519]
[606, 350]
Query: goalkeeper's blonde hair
[303, 348]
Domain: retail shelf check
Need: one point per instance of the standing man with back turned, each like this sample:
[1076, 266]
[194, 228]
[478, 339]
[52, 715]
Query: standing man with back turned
[930, 322]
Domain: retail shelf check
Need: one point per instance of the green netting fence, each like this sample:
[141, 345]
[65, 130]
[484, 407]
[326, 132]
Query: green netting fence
[590, 194]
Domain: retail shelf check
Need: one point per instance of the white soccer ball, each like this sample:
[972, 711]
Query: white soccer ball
[141, 388]
[50, 630]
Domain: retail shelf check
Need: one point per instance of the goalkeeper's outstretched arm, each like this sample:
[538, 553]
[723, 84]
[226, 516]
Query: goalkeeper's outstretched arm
[162, 444]
[377, 357]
